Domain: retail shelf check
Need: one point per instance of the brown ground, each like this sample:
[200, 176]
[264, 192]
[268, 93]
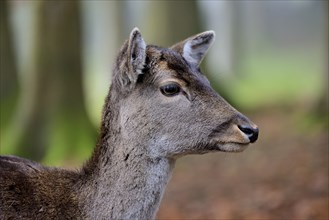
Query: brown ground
[283, 176]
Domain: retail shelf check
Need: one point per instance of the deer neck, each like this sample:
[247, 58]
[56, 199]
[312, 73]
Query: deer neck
[126, 182]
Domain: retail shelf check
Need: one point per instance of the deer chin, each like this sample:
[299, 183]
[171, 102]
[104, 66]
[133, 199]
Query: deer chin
[233, 147]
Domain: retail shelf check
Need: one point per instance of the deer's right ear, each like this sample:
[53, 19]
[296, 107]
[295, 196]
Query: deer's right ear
[130, 61]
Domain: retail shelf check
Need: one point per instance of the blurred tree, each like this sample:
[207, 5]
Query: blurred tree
[57, 121]
[183, 19]
[172, 21]
[237, 26]
[322, 104]
[8, 72]
[102, 38]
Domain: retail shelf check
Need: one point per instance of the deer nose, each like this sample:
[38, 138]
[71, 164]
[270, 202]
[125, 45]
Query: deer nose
[251, 132]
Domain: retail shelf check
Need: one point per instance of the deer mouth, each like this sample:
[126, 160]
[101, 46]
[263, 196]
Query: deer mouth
[230, 139]
[232, 147]
[228, 146]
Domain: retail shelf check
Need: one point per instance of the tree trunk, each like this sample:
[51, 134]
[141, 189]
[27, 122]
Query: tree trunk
[58, 121]
[8, 71]
[172, 21]
[322, 104]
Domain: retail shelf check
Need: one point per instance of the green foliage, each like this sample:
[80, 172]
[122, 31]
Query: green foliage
[7, 109]
[276, 79]
[72, 138]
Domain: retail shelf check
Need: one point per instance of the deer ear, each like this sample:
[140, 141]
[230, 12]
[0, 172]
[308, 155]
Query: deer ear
[130, 61]
[135, 57]
[194, 48]
[136, 52]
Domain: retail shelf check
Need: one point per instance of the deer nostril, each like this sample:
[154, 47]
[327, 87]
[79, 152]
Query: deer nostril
[252, 133]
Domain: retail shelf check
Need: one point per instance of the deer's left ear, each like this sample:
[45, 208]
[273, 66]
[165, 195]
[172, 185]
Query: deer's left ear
[194, 48]
[136, 52]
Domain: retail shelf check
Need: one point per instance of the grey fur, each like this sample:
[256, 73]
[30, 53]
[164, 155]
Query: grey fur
[142, 134]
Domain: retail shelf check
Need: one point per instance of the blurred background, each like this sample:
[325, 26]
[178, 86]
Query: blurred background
[269, 60]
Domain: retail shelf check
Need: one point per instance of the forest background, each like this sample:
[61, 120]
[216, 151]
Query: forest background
[269, 60]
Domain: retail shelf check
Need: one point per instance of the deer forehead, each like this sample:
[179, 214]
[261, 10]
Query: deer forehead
[167, 65]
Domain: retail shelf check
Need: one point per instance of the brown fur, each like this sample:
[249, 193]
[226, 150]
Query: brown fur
[29, 190]
[142, 134]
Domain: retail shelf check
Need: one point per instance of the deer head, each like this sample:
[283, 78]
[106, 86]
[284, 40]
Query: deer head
[168, 107]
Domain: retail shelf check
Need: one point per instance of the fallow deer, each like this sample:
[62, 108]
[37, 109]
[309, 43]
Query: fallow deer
[160, 107]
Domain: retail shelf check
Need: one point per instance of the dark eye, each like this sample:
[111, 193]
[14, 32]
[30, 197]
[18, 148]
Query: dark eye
[170, 89]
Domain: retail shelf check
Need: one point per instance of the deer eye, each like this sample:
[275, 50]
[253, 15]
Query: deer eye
[170, 89]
